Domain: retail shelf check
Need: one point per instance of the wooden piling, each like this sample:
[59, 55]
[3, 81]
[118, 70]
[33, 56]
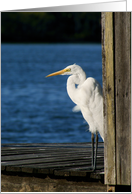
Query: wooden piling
[109, 103]
[116, 47]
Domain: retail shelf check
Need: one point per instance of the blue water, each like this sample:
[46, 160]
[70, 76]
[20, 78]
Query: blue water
[35, 109]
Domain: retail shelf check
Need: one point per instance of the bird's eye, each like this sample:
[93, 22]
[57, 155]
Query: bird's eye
[69, 69]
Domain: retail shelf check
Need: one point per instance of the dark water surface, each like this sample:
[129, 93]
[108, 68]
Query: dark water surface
[35, 109]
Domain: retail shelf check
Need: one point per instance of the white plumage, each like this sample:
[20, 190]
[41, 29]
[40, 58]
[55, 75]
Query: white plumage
[87, 95]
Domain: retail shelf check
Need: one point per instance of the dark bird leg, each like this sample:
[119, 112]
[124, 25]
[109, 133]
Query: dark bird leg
[96, 151]
[94, 158]
[92, 138]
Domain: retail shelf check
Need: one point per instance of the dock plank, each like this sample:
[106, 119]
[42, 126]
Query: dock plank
[54, 158]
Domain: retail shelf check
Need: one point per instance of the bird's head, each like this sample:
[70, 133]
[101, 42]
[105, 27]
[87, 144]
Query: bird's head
[69, 70]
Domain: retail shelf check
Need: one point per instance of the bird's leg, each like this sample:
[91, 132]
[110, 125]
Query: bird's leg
[96, 151]
[92, 137]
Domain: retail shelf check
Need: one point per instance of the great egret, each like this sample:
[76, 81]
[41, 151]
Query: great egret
[88, 97]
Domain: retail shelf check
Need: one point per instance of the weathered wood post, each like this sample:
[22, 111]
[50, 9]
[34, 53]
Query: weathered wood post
[116, 58]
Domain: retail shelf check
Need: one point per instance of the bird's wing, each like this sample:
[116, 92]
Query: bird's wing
[91, 104]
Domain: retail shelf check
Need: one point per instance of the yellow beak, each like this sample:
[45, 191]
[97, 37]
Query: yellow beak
[57, 73]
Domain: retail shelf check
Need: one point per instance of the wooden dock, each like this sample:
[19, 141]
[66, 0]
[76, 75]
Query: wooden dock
[51, 168]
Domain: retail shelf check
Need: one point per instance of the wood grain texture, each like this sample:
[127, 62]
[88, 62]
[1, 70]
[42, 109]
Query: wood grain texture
[123, 97]
[108, 95]
[57, 159]
[116, 58]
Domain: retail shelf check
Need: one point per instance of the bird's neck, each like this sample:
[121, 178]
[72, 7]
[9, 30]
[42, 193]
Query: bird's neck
[72, 81]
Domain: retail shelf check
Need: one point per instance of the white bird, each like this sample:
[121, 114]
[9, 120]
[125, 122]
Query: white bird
[87, 95]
